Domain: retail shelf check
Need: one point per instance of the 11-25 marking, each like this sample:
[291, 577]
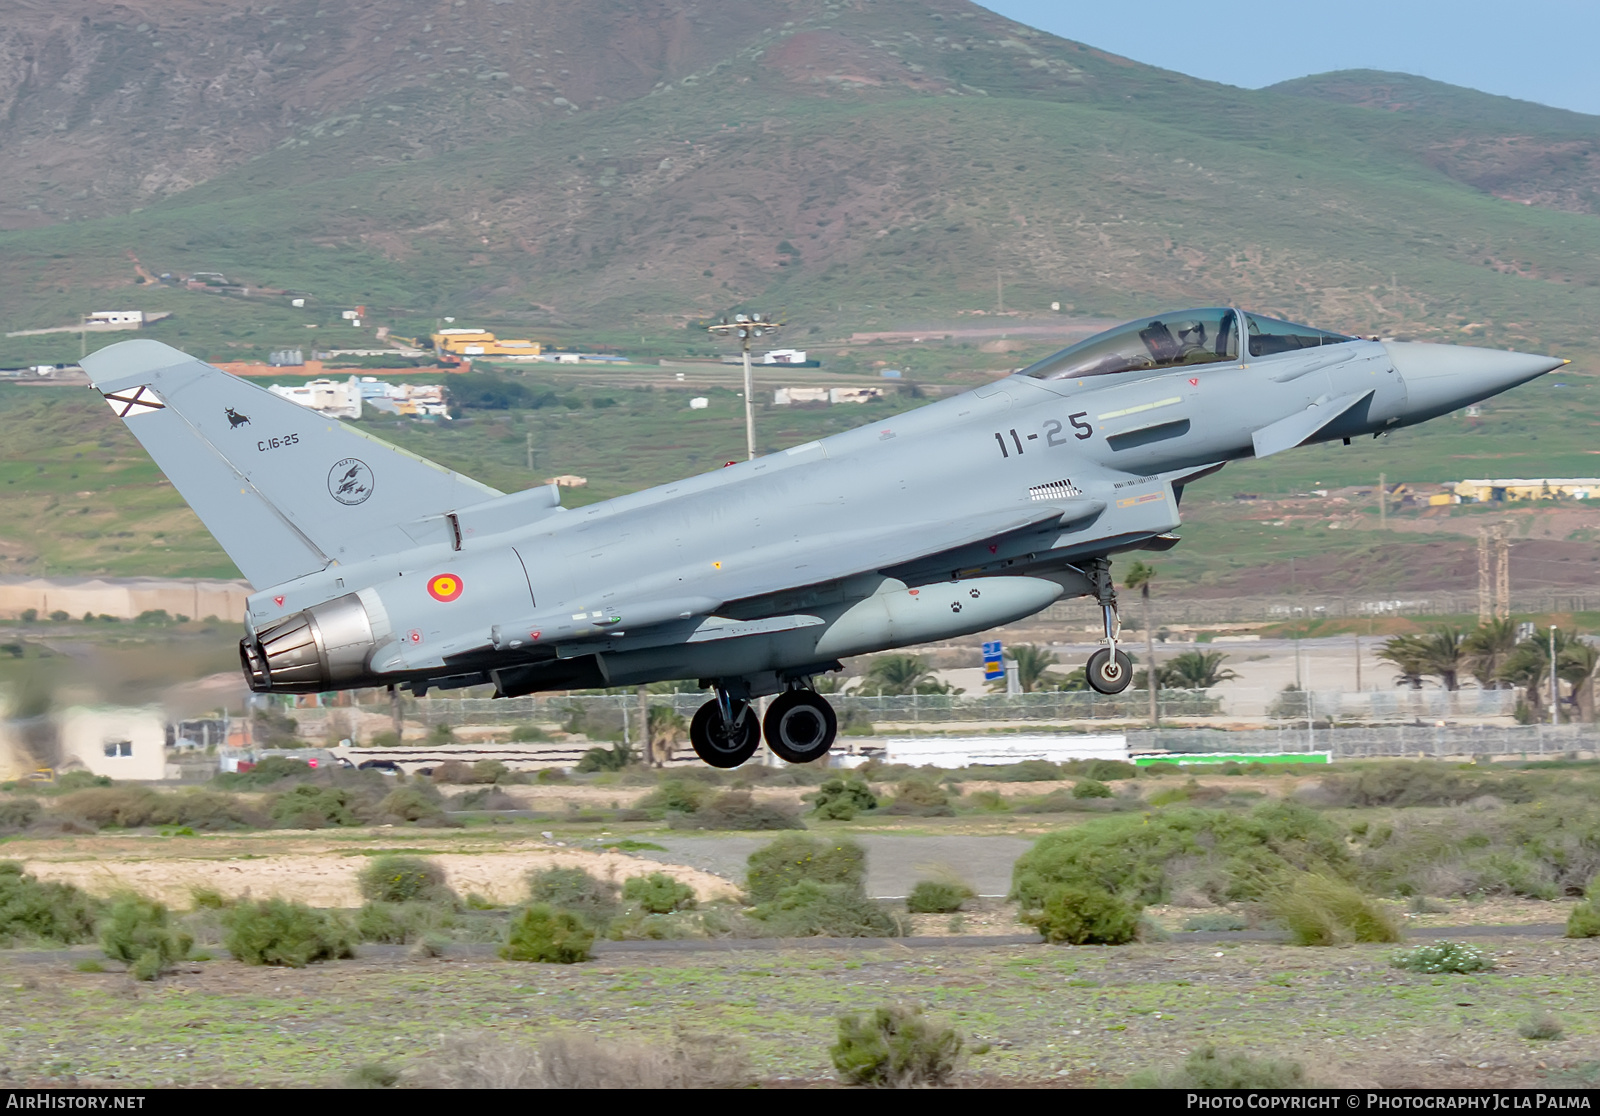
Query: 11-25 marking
[1052, 428]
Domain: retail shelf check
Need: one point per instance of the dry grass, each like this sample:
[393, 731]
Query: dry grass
[581, 1062]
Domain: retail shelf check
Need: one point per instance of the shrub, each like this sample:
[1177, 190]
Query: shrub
[18, 813]
[273, 769]
[574, 890]
[1085, 916]
[921, 797]
[1319, 910]
[412, 804]
[1540, 1026]
[1538, 851]
[280, 932]
[35, 911]
[791, 859]
[544, 933]
[614, 758]
[524, 734]
[1221, 920]
[895, 1048]
[810, 909]
[400, 879]
[1206, 1068]
[401, 923]
[80, 780]
[139, 933]
[1403, 784]
[1108, 771]
[1090, 788]
[739, 810]
[673, 796]
[658, 893]
[842, 797]
[1238, 856]
[1028, 771]
[937, 897]
[1584, 921]
[372, 1075]
[1443, 957]
[133, 807]
[313, 807]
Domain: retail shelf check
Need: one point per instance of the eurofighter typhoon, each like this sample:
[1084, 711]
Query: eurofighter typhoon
[374, 567]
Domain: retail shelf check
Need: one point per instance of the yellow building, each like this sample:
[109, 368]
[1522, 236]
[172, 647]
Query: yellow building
[480, 342]
[1543, 488]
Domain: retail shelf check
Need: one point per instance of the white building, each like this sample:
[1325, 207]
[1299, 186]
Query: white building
[117, 317]
[326, 397]
[122, 742]
[784, 356]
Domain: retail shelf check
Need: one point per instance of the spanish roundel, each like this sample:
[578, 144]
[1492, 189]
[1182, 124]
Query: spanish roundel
[444, 587]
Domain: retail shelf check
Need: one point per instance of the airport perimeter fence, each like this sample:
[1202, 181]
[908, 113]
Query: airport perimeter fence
[1237, 610]
[609, 712]
[1395, 741]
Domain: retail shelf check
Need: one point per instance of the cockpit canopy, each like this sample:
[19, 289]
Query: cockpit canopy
[1173, 340]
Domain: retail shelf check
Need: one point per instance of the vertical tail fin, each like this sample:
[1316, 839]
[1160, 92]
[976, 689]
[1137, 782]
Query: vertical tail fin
[285, 490]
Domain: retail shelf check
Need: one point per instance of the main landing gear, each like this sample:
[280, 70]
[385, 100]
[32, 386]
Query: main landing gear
[800, 726]
[1110, 670]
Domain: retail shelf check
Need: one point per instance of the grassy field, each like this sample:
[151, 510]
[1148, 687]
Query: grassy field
[1050, 1015]
[1031, 1014]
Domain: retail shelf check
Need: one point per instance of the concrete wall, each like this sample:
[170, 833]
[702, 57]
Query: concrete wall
[125, 598]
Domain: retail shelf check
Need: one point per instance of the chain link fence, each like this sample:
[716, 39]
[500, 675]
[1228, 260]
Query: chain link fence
[611, 711]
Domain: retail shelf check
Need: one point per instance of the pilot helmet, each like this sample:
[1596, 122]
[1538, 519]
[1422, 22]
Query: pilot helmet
[1191, 331]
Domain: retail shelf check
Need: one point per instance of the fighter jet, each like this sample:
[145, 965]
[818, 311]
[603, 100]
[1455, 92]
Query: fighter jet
[374, 567]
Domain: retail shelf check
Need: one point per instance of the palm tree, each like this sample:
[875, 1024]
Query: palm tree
[1575, 665]
[1528, 666]
[1444, 655]
[1407, 653]
[1486, 648]
[1139, 577]
[895, 675]
[1196, 670]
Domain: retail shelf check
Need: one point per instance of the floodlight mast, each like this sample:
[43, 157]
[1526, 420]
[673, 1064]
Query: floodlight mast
[745, 326]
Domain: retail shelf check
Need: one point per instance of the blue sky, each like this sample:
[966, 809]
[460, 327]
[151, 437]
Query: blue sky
[1537, 50]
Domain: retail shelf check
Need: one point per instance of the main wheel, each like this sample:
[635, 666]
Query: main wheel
[800, 726]
[721, 745]
[1107, 675]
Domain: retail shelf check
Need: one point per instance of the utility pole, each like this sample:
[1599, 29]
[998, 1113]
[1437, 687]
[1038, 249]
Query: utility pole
[1358, 662]
[1555, 690]
[646, 744]
[1485, 604]
[530, 451]
[999, 292]
[1383, 502]
[744, 327]
[1502, 573]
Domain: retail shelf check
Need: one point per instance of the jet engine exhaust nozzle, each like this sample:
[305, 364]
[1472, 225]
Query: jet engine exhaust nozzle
[323, 648]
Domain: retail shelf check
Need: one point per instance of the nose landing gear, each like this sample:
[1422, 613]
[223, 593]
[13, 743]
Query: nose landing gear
[1110, 670]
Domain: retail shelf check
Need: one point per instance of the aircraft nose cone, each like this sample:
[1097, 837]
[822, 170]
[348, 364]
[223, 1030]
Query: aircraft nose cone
[1440, 378]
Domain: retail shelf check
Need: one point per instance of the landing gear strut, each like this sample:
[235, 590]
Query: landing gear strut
[800, 726]
[1110, 670]
[725, 731]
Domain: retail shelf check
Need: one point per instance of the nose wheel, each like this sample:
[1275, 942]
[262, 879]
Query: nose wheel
[800, 726]
[725, 733]
[1109, 672]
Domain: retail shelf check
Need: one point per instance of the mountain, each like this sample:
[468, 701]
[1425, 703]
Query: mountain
[626, 167]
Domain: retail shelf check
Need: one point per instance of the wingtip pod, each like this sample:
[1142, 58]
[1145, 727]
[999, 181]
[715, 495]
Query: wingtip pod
[140, 357]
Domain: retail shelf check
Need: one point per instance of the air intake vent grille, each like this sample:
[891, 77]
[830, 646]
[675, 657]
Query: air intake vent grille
[1055, 490]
